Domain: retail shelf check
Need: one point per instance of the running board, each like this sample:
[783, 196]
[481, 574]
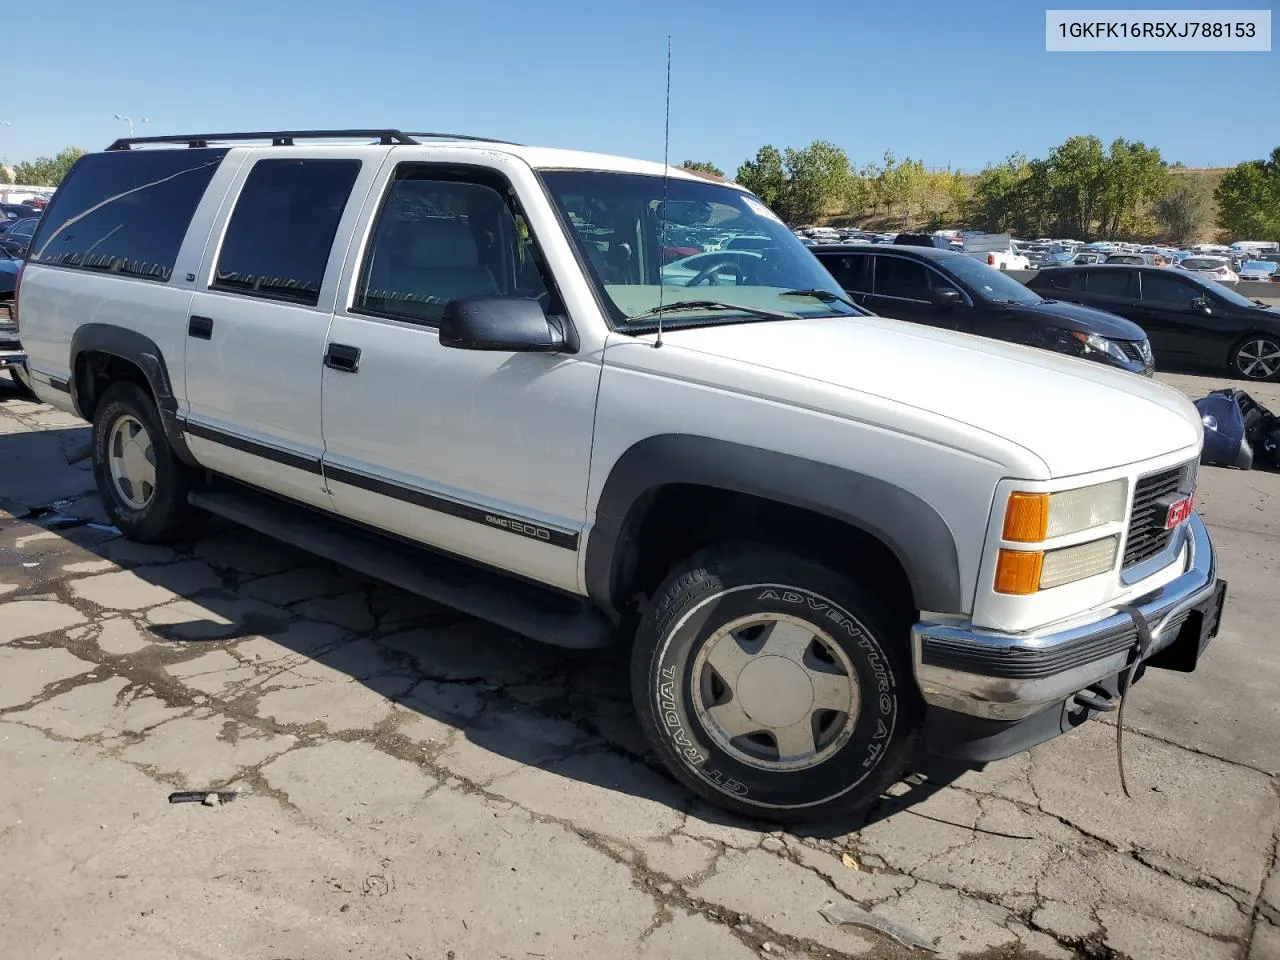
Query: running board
[539, 613]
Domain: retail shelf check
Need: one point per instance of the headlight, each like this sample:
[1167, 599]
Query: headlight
[1034, 518]
[1094, 344]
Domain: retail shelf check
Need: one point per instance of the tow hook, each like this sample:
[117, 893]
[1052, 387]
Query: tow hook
[1096, 698]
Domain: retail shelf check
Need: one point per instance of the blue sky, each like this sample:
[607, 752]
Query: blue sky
[963, 83]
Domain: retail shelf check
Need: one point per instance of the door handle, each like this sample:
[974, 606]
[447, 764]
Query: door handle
[200, 327]
[342, 357]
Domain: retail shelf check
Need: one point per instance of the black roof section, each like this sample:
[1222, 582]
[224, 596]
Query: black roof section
[935, 253]
[286, 138]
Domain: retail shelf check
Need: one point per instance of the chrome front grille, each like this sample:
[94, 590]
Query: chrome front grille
[1152, 495]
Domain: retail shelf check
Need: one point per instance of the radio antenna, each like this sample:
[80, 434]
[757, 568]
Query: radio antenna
[666, 154]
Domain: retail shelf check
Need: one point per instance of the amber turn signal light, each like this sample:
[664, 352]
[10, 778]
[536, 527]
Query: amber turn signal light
[1018, 572]
[1026, 518]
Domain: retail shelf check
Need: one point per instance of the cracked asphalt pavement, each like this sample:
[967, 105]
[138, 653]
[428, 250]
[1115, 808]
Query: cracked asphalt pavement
[416, 784]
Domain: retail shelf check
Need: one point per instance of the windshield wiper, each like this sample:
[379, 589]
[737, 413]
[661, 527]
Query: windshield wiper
[714, 305]
[826, 296]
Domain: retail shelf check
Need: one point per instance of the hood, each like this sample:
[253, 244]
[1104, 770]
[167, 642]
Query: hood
[1074, 415]
[1075, 316]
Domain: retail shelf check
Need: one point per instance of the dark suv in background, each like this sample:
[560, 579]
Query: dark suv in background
[954, 291]
[1188, 317]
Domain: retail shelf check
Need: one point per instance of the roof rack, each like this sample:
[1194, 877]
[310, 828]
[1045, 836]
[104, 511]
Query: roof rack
[286, 138]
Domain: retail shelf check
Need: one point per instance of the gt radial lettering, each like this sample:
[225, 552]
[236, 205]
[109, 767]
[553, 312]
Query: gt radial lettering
[671, 718]
[725, 783]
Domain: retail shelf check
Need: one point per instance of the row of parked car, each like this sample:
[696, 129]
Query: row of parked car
[1127, 315]
[1248, 260]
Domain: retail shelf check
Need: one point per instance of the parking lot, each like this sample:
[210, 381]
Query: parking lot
[413, 783]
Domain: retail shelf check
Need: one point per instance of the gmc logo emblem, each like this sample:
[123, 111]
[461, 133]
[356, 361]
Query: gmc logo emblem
[1179, 511]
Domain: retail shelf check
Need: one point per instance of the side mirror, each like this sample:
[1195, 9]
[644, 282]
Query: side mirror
[1201, 303]
[946, 298]
[507, 324]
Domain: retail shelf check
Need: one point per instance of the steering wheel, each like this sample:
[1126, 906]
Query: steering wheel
[728, 258]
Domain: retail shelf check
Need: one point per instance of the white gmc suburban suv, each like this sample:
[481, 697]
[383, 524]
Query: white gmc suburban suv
[496, 376]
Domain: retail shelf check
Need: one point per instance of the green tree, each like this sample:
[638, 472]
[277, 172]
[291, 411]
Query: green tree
[703, 166]
[956, 187]
[765, 177]
[1136, 176]
[999, 195]
[1249, 199]
[1181, 212]
[46, 171]
[818, 178]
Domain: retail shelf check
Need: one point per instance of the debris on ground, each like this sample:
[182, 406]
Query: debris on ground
[842, 911]
[210, 798]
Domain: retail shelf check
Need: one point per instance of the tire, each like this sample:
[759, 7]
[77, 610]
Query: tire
[22, 380]
[155, 512]
[1256, 357]
[682, 698]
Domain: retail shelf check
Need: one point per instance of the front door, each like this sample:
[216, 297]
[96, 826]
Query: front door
[257, 326]
[905, 289]
[481, 454]
[1169, 315]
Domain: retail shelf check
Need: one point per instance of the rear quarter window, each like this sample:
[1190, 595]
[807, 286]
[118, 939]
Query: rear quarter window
[125, 212]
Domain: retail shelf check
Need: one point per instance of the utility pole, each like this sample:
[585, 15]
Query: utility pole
[129, 121]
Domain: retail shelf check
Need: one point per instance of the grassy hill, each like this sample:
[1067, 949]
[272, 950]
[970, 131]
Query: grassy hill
[936, 211]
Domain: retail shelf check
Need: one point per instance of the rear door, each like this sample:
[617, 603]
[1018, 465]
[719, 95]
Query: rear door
[256, 330]
[1114, 289]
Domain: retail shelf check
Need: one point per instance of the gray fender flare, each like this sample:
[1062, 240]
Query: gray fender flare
[916, 533]
[143, 353]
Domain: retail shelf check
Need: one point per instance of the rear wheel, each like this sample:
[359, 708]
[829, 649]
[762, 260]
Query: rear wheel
[1257, 357]
[773, 686]
[143, 484]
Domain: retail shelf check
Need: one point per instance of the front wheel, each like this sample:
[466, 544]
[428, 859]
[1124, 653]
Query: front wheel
[1257, 357]
[773, 686]
[22, 380]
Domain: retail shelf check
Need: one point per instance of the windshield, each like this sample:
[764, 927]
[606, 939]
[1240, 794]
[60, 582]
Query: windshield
[987, 281]
[1203, 263]
[705, 242]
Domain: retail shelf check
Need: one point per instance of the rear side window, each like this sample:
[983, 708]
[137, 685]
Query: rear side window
[1109, 283]
[851, 270]
[278, 241]
[125, 212]
[1060, 280]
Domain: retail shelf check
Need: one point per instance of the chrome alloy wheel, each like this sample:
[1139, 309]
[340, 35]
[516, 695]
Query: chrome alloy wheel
[131, 459]
[775, 692]
[1258, 359]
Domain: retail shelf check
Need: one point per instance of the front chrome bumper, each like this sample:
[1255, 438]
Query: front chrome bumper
[1004, 676]
[11, 358]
